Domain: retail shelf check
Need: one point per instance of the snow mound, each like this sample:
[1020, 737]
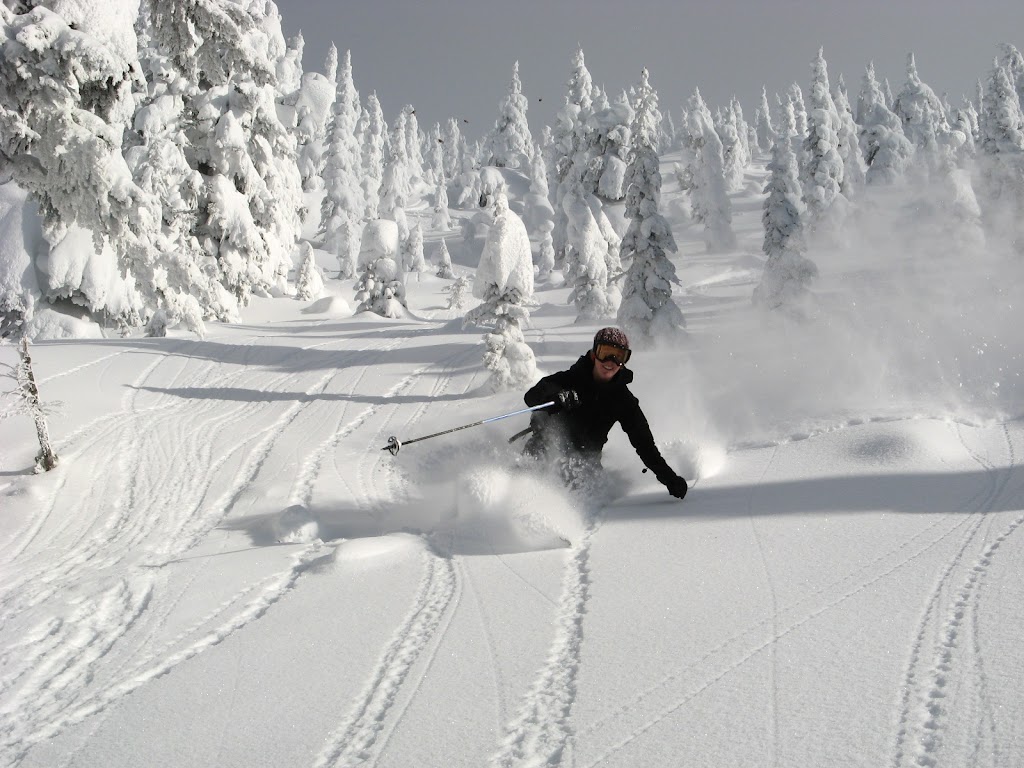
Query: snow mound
[48, 324]
[335, 306]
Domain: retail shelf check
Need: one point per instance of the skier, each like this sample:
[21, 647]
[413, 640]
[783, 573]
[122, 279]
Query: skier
[590, 397]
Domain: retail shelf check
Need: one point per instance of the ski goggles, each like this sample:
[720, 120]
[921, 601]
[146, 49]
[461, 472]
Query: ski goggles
[608, 353]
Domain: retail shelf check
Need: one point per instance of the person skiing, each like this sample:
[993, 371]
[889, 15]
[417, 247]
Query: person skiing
[590, 397]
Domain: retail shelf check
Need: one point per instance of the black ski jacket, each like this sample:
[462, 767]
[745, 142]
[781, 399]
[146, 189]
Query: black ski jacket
[587, 426]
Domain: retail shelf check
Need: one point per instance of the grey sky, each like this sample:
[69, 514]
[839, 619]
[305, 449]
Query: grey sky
[454, 57]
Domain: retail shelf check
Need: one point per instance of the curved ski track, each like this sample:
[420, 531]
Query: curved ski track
[677, 689]
[948, 640]
[53, 675]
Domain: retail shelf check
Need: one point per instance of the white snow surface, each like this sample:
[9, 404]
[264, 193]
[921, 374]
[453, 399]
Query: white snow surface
[227, 569]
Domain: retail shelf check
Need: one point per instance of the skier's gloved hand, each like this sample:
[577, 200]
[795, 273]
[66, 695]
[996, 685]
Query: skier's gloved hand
[568, 399]
[677, 487]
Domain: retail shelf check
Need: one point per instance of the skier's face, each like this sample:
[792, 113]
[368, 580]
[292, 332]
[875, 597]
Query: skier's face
[604, 372]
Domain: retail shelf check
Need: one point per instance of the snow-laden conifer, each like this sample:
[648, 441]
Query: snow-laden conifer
[571, 141]
[442, 220]
[396, 184]
[708, 195]
[413, 144]
[342, 208]
[787, 271]
[250, 218]
[381, 284]
[504, 284]
[886, 150]
[444, 262]
[546, 251]
[510, 143]
[610, 147]
[647, 310]
[372, 155]
[66, 100]
[763, 124]
[848, 145]
[412, 251]
[537, 201]
[923, 117]
[823, 173]
[309, 282]
[1001, 158]
[453, 148]
[734, 161]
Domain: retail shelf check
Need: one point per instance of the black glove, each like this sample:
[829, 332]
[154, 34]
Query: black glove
[677, 487]
[568, 399]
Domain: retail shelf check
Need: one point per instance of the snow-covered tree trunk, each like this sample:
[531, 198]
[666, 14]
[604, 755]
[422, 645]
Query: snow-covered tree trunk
[46, 459]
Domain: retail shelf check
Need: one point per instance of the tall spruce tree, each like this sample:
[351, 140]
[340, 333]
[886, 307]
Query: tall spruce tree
[647, 310]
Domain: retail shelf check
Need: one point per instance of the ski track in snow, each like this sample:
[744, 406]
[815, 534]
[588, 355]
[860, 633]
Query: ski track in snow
[376, 712]
[55, 674]
[937, 655]
[541, 732]
[679, 688]
[353, 742]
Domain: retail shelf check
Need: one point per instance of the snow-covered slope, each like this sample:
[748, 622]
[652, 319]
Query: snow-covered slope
[226, 569]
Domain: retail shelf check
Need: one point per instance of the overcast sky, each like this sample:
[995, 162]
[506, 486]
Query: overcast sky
[454, 57]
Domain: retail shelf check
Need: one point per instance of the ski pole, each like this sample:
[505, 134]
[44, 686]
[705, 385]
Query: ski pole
[394, 444]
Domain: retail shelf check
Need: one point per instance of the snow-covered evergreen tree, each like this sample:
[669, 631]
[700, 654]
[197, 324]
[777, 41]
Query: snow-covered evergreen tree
[886, 150]
[184, 277]
[571, 140]
[787, 271]
[586, 265]
[922, 115]
[796, 95]
[763, 124]
[250, 217]
[67, 99]
[372, 155]
[413, 142]
[504, 284]
[822, 175]
[381, 284]
[537, 201]
[1001, 158]
[611, 142]
[546, 251]
[1012, 60]
[412, 251]
[396, 185]
[444, 262]
[708, 195]
[309, 283]
[442, 220]
[342, 209]
[854, 170]
[647, 310]
[734, 161]
[510, 143]
[452, 138]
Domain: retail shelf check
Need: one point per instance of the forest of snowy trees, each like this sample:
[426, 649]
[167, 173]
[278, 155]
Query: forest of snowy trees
[162, 161]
